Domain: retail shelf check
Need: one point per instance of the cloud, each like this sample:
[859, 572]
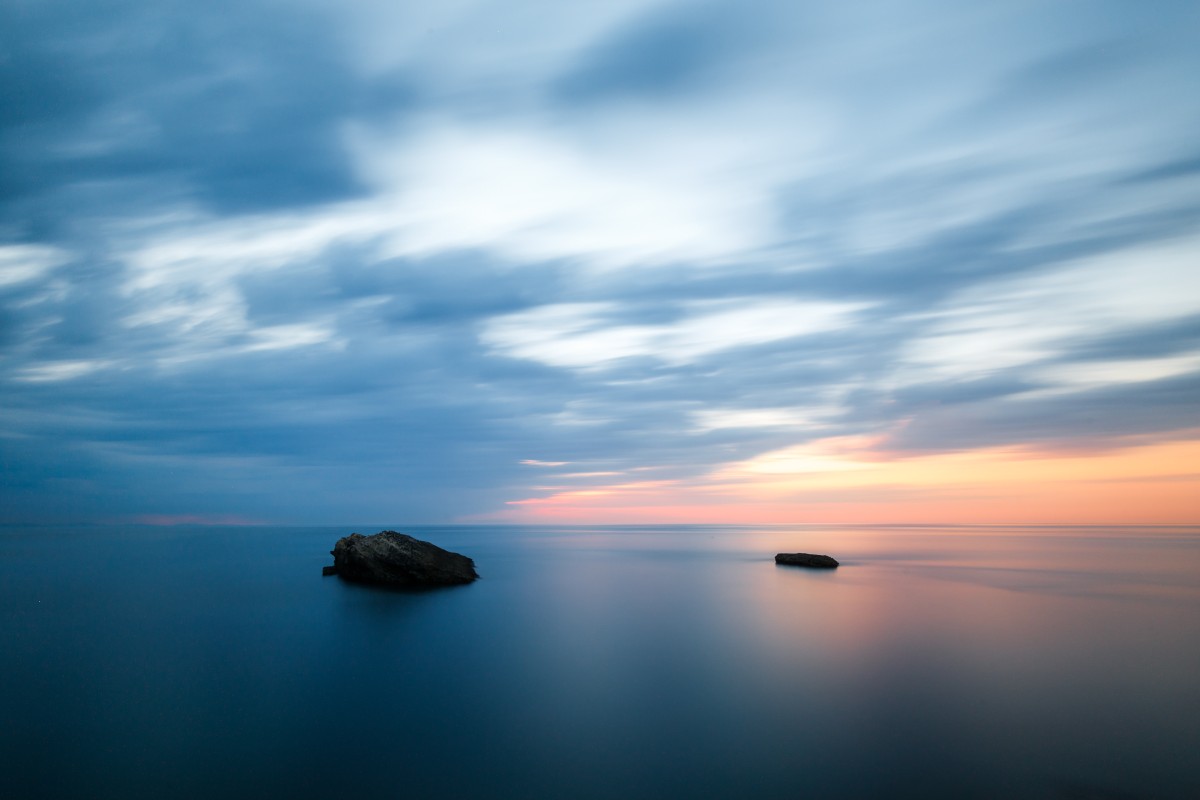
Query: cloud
[581, 336]
[53, 371]
[667, 51]
[410, 261]
[1016, 322]
[530, 193]
[230, 104]
[711, 419]
[22, 263]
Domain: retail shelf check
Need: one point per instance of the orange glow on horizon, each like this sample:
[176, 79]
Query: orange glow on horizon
[857, 480]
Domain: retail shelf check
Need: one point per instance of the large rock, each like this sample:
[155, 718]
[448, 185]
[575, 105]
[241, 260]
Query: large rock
[396, 559]
[806, 560]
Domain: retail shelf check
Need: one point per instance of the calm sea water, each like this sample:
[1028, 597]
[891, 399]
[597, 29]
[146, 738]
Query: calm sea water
[631, 662]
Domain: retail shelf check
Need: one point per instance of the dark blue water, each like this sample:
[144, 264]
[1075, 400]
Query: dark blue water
[667, 662]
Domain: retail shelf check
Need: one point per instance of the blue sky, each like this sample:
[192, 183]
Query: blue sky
[324, 262]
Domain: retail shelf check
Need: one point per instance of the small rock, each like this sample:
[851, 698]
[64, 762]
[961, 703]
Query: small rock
[806, 560]
[397, 559]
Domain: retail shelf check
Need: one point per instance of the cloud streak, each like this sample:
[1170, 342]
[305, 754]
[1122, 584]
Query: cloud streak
[484, 261]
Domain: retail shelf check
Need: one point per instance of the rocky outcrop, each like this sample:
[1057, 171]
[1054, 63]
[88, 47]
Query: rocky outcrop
[396, 559]
[806, 560]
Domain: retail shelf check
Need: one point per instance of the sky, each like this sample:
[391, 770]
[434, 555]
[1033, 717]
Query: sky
[599, 262]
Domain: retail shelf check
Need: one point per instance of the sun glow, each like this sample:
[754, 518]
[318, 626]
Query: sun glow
[858, 479]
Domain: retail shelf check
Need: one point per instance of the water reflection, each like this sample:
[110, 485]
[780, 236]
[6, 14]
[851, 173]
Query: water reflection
[599, 663]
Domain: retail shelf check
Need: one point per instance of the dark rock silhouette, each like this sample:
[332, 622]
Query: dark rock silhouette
[396, 559]
[806, 560]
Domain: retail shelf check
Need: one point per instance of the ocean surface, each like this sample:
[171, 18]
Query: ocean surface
[603, 662]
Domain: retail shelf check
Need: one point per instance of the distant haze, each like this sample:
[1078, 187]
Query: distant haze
[599, 261]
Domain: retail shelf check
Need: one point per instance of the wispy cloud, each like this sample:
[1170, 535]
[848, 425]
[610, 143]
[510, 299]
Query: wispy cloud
[585, 336]
[412, 261]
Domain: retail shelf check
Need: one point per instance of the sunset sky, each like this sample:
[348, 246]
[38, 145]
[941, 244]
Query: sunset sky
[619, 261]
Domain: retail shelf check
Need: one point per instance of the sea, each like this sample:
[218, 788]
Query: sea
[603, 662]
